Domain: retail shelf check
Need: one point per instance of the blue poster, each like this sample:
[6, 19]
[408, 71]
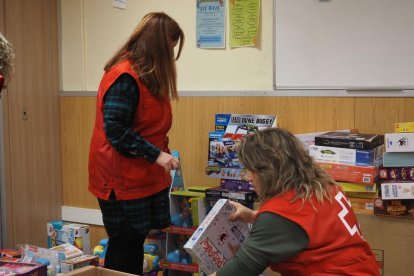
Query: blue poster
[211, 24]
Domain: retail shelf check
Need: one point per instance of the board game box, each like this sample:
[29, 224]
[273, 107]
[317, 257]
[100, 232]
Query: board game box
[217, 239]
[340, 139]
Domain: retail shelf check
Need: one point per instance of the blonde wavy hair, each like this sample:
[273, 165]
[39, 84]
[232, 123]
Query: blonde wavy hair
[281, 164]
[6, 58]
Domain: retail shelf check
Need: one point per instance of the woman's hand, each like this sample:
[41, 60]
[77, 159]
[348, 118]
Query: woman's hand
[242, 213]
[167, 161]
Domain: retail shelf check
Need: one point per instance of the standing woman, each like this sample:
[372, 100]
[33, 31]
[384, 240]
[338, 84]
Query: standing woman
[6, 61]
[129, 159]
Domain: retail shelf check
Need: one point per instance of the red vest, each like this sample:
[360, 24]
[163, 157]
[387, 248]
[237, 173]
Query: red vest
[131, 178]
[335, 247]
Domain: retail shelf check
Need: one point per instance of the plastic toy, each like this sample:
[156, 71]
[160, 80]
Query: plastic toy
[100, 250]
[151, 259]
[184, 218]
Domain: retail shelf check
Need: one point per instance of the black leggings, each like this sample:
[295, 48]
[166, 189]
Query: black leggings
[125, 251]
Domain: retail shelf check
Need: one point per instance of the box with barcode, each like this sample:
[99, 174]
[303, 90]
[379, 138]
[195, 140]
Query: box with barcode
[399, 142]
[217, 239]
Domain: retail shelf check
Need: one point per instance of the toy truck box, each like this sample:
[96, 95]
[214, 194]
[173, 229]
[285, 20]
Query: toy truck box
[243, 123]
[60, 232]
[399, 142]
[363, 141]
[217, 239]
[222, 150]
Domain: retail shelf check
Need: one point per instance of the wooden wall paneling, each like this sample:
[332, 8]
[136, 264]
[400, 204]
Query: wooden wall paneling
[78, 116]
[378, 115]
[33, 153]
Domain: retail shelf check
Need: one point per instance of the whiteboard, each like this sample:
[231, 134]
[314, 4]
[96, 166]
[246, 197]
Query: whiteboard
[344, 44]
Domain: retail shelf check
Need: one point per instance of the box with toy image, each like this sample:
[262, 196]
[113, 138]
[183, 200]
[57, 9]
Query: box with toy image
[217, 239]
[60, 232]
[243, 123]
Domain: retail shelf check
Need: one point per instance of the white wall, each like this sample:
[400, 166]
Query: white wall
[92, 30]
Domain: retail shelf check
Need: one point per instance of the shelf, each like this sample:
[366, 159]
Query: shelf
[179, 266]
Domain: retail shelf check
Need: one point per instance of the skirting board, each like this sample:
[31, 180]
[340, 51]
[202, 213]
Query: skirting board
[82, 215]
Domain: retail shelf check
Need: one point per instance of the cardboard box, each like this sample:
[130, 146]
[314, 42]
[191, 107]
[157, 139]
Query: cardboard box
[397, 173]
[94, 271]
[356, 187]
[340, 139]
[67, 251]
[350, 173]
[243, 123]
[24, 269]
[228, 173]
[397, 190]
[372, 157]
[217, 239]
[232, 184]
[398, 208]
[244, 197]
[187, 209]
[399, 142]
[362, 205]
[404, 127]
[222, 150]
[78, 262]
[60, 232]
[398, 159]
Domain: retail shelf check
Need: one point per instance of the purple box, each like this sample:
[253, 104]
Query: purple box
[397, 173]
[233, 184]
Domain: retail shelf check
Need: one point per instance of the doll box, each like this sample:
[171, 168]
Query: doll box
[217, 239]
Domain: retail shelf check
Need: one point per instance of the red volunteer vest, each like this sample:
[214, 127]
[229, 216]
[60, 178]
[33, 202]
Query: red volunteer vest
[336, 246]
[130, 178]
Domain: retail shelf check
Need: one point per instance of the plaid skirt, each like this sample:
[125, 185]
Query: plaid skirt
[142, 214]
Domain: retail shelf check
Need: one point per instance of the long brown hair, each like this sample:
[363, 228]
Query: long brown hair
[150, 49]
[281, 163]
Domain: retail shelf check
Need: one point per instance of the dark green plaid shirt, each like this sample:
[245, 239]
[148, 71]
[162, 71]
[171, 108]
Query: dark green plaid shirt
[120, 103]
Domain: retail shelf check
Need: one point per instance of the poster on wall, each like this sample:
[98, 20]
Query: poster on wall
[211, 24]
[244, 22]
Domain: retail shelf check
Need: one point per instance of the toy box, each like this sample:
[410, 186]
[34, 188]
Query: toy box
[397, 173]
[362, 205]
[227, 173]
[67, 251]
[350, 173]
[244, 197]
[356, 187]
[187, 208]
[22, 269]
[404, 127]
[397, 190]
[398, 208]
[78, 262]
[399, 142]
[339, 139]
[243, 123]
[177, 180]
[232, 184]
[217, 239]
[308, 139]
[60, 232]
[372, 157]
[398, 159]
[223, 150]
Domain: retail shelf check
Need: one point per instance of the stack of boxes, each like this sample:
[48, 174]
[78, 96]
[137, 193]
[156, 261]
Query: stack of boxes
[223, 161]
[352, 159]
[397, 174]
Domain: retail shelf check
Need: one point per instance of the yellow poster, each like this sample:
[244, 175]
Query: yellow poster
[244, 22]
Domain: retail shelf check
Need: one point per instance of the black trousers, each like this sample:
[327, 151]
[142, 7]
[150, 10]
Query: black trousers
[125, 252]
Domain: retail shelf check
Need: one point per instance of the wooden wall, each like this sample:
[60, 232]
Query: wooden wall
[30, 110]
[194, 118]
